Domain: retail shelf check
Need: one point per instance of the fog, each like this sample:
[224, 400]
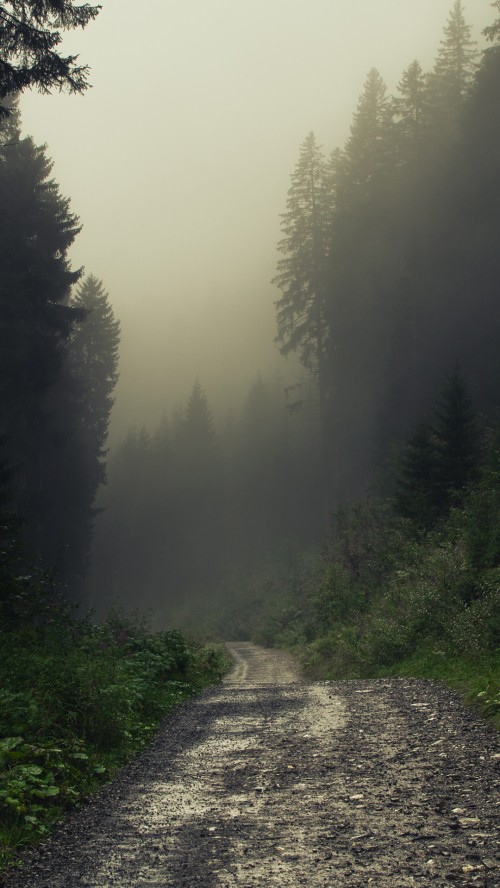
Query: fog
[178, 162]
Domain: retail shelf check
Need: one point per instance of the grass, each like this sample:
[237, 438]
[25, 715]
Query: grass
[477, 679]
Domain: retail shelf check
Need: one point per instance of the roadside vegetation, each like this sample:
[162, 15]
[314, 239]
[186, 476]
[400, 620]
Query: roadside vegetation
[77, 700]
[408, 581]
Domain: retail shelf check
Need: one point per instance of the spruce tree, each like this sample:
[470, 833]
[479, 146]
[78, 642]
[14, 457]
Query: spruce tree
[38, 394]
[303, 275]
[30, 37]
[492, 32]
[457, 442]
[301, 272]
[441, 459]
[94, 353]
[369, 151]
[453, 75]
[410, 108]
[198, 440]
[416, 497]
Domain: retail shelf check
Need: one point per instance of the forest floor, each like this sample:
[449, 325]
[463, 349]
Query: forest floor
[269, 780]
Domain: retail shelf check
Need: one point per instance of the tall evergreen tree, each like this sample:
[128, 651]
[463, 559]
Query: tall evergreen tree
[362, 268]
[197, 444]
[94, 352]
[411, 110]
[30, 36]
[457, 442]
[370, 148]
[302, 277]
[454, 71]
[301, 272]
[416, 480]
[38, 396]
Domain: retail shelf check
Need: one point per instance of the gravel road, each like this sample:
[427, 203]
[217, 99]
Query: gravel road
[271, 781]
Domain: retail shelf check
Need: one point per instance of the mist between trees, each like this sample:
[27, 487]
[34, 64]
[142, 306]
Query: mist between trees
[387, 281]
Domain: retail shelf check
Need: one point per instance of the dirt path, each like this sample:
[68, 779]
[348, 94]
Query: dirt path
[269, 781]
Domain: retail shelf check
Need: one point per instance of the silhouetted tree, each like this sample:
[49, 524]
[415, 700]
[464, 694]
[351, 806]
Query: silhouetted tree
[301, 272]
[370, 148]
[197, 439]
[30, 38]
[457, 442]
[416, 479]
[362, 269]
[94, 353]
[440, 461]
[410, 108]
[453, 74]
[36, 230]
[302, 277]
[492, 32]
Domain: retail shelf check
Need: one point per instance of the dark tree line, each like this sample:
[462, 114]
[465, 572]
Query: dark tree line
[391, 272]
[58, 360]
[198, 499]
[389, 277]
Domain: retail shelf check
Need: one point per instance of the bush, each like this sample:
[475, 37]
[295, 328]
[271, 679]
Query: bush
[76, 701]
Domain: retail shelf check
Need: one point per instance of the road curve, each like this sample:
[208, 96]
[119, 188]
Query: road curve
[271, 781]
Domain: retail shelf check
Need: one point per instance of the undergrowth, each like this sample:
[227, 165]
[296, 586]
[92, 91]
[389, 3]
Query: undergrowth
[404, 586]
[78, 700]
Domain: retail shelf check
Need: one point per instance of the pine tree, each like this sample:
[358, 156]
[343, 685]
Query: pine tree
[30, 35]
[457, 442]
[492, 32]
[411, 110]
[94, 352]
[441, 459]
[369, 150]
[415, 483]
[302, 277]
[361, 273]
[38, 395]
[198, 441]
[453, 75]
[301, 273]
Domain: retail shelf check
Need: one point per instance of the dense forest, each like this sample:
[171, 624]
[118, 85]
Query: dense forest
[388, 270]
[78, 697]
[352, 513]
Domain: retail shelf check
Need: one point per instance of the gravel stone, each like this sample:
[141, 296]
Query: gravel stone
[268, 780]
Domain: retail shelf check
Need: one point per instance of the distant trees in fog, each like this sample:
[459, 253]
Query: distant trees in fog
[197, 498]
[410, 206]
[389, 273]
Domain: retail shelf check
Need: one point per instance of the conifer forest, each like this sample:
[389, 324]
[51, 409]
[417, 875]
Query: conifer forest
[339, 498]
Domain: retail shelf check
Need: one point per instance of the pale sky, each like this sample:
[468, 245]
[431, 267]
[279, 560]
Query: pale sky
[179, 158]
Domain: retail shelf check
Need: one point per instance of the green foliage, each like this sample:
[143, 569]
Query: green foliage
[415, 496]
[388, 595]
[440, 461]
[457, 442]
[77, 700]
[482, 509]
